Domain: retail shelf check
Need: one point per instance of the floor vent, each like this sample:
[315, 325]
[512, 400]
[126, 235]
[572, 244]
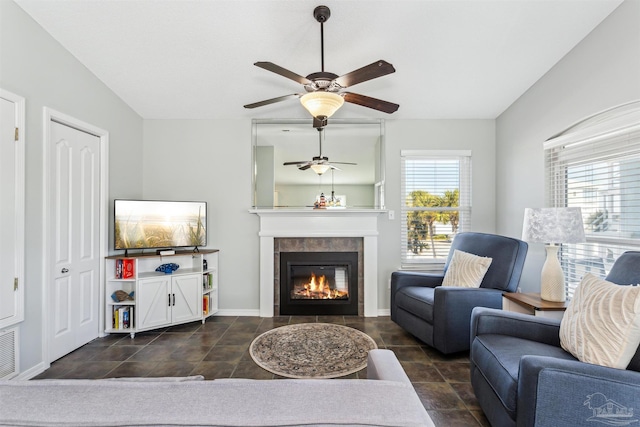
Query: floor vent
[8, 353]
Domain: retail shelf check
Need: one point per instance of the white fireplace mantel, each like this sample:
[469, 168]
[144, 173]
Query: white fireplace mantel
[278, 223]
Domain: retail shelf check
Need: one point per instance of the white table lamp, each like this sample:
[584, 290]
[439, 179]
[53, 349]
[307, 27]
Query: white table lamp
[552, 226]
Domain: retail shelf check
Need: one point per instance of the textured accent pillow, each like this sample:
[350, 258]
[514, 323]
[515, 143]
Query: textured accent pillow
[466, 270]
[602, 323]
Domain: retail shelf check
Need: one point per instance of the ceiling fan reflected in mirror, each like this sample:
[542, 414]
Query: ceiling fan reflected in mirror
[319, 164]
[324, 90]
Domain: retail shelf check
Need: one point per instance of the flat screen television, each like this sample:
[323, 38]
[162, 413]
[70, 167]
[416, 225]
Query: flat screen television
[155, 224]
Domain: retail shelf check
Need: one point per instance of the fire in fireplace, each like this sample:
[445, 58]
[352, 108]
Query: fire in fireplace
[320, 287]
[313, 283]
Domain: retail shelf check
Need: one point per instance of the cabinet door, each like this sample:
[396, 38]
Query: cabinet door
[187, 295]
[153, 302]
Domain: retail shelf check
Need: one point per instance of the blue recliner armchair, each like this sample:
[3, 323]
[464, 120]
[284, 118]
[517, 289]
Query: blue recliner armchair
[440, 316]
[522, 377]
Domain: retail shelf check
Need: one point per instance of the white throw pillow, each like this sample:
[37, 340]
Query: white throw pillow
[602, 323]
[466, 270]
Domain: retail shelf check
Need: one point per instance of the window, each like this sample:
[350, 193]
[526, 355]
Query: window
[436, 204]
[595, 165]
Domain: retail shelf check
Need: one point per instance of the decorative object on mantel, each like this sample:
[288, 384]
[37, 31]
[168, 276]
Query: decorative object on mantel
[553, 226]
[321, 202]
[319, 164]
[323, 97]
[312, 350]
[331, 202]
[168, 268]
[336, 202]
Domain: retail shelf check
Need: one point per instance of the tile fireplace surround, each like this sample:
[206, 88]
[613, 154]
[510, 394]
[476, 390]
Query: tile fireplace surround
[305, 223]
[322, 245]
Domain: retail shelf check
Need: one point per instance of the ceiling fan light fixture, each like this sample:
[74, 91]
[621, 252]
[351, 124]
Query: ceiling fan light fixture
[321, 103]
[320, 169]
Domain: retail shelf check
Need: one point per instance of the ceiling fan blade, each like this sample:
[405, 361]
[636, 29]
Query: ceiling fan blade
[271, 101]
[335, 167]
[377, 69]
[343, 163]
[304, 168]
[301, 162]
[366, 101]
[270, 66]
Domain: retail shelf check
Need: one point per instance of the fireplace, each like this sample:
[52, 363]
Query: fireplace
[319, 283]
[298, 227]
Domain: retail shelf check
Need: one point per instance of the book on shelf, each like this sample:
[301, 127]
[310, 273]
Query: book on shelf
[125, 268]
[118, 272]
[205, 304]
[207, 281]
[128, 268]
[123, 317]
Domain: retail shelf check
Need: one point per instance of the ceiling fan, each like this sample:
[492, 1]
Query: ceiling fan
[319, 164]
[324, 90]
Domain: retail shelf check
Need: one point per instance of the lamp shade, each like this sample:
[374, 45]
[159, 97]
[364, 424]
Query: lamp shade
[553, 225]
[320, 169]
[321, 103]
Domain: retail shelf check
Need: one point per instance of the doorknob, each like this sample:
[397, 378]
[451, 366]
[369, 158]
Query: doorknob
[64, 270]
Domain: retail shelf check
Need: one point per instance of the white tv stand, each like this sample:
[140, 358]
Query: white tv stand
[160, 299]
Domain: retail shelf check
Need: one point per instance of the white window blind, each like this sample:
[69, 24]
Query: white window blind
[595, 165]
[436, 204]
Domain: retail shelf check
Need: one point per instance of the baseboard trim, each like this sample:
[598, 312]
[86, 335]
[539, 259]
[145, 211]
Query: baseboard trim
[238, 312]
[33, 371]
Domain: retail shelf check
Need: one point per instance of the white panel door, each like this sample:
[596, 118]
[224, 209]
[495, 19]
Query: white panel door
[187, 298]
[75, 181]
[11, 209]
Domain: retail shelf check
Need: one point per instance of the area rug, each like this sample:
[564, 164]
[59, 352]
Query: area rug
[312, 350]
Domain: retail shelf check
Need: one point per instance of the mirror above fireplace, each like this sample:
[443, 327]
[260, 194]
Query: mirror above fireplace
[356, 186]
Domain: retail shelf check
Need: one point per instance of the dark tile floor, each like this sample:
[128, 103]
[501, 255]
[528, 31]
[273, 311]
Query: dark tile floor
[219, 349]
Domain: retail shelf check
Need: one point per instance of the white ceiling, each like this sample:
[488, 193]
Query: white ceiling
[183, 59]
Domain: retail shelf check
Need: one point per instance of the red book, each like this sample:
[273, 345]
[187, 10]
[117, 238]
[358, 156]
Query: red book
[205, 304]
[118, 269]
[127, 268]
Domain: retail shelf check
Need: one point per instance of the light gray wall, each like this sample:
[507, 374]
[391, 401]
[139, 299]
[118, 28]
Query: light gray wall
[211, 160]
[37, 68]
[602, 71]
[475, 135]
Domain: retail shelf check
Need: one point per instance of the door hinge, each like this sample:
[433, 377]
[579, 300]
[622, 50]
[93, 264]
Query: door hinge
[17, 135]
[15, 283]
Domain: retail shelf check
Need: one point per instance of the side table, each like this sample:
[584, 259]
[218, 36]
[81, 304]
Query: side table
[531, 303]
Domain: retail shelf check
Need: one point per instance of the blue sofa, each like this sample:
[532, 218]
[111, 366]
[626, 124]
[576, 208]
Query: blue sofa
[440, 316]
[522, 377]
